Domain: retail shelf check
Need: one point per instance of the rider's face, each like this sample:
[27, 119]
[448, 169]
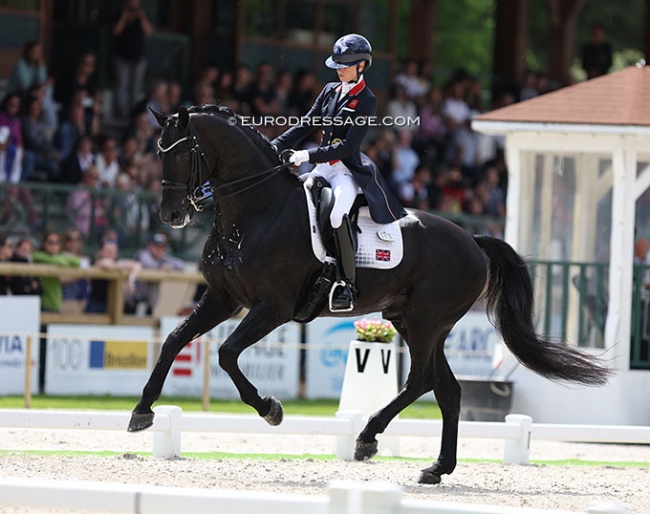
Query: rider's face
[348, 74]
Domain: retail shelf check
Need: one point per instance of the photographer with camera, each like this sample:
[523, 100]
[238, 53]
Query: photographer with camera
[129, 33]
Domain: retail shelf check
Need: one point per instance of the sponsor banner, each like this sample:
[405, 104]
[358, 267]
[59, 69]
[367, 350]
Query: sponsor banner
[98, 359]
[20, 318]
[272, 367]
[325, 364]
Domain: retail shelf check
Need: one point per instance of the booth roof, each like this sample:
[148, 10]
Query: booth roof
[619, 98]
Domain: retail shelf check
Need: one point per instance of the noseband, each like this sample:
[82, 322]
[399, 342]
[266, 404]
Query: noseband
[195, 186]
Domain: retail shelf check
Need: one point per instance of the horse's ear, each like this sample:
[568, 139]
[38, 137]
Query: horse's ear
[160, 118]
[183, 117]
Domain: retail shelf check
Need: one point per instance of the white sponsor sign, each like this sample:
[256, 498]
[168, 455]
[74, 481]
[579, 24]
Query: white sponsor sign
[270, 366]
[20, 317]
[98, 359]
[325, 365]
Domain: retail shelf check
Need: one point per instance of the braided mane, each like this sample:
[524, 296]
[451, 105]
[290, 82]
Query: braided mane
[251, 130]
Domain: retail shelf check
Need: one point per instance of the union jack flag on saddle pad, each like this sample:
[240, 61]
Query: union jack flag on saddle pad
[382, 255]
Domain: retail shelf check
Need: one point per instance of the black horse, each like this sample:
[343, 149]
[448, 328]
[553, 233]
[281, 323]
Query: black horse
[258, 256]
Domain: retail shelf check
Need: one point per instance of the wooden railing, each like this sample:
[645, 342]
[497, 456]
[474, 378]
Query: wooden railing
[116, 284]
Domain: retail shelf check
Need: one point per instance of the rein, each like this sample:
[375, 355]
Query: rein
[195, 185]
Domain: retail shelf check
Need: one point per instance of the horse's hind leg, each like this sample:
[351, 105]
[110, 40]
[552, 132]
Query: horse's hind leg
[447, 391]
[262, 319]
[206, 315]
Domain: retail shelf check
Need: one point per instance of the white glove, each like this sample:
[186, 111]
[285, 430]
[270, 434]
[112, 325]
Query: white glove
[299, 157]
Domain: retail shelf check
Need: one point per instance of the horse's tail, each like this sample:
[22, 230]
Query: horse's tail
[510, 305]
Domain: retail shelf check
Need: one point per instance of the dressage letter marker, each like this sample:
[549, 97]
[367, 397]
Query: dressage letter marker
[370, 383]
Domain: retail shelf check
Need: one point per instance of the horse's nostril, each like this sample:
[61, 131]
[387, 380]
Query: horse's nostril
[174, 216]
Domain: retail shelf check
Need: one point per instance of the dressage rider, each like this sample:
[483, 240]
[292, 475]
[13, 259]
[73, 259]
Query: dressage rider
[342, 110]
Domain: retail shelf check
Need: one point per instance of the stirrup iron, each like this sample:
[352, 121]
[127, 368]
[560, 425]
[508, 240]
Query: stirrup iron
[337, 284]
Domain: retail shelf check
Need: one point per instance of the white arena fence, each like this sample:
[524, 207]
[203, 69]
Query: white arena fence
[517, 431]
[342, 498]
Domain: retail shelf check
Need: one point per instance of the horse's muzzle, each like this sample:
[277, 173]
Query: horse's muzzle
[176, 218]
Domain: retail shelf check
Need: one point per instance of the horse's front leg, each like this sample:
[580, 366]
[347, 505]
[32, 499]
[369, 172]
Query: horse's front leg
[262, 319]
[207, 314]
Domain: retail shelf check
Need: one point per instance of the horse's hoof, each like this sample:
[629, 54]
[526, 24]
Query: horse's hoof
[140, 421]
[365, 451]
[429, 476]
[276, 414]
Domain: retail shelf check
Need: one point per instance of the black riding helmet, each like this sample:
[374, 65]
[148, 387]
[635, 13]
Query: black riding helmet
[348, 51]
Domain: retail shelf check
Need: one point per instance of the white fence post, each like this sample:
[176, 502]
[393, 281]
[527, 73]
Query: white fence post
[345, 444]
[167, 444]
[517, 451]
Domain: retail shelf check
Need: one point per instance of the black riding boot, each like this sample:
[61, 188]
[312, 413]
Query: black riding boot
[342, 293]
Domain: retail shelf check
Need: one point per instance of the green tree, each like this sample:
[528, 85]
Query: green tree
[464, 38]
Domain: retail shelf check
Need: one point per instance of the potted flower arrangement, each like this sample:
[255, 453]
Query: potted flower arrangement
[375, 330]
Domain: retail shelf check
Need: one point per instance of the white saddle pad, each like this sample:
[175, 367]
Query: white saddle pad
[380, 245]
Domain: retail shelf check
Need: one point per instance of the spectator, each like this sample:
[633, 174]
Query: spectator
[74, 166]
[209, 74]
[86, 206]
[155, 256]
[223, 92]
[11, 140]
[5, 255]
[75, 290]
[29, 70]
[416, 193]
[157, 99]
[79, 87]
[425, 73]
[283, 87]
[50, 253]
[41, 161]
[529, 87]
[406, 161]
[385, 160]
[144, 133]
[203, 94]
[431, 137]
[174, 96]
[410, 81]
[494, 198]
[596, 55]
[107, 163]
[303, 94]
[24, 284]
[107, 259]
[401, 108]
[72, 128]
[263, 96]
[242, 87]
[129, 33]
[127, 213]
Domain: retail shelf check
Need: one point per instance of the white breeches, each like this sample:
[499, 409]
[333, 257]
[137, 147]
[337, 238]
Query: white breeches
[344, 187]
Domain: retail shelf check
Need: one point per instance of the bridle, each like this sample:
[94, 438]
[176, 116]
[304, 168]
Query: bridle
[194, 186]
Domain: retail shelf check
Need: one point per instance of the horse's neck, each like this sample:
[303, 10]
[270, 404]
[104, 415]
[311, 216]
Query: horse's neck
[261, 204]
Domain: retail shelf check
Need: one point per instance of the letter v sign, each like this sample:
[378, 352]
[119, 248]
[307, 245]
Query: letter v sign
[385, 360]
[361, 362]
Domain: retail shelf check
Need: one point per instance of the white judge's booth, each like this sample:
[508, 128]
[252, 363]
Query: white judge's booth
[578, 164]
